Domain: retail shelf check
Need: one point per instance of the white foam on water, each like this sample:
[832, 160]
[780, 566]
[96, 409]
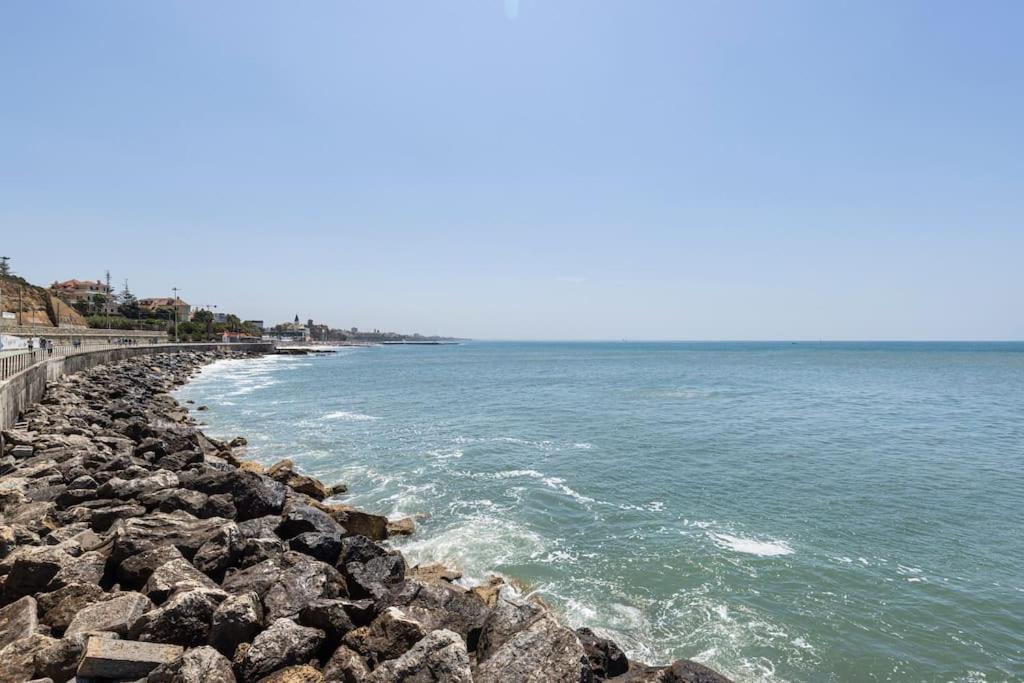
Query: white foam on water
[558, 484]
[751, 546]
[509, 474]
[478, 544]
[348, 416]
[583, 446]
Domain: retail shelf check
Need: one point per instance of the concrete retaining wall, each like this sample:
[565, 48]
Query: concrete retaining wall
[22, 390]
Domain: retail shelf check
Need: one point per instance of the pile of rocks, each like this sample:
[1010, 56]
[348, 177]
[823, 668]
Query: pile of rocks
[133, 547]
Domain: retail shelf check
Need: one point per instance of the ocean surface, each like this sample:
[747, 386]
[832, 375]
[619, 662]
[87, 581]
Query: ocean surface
[780, 512]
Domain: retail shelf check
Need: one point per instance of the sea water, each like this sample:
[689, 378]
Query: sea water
[778, 511]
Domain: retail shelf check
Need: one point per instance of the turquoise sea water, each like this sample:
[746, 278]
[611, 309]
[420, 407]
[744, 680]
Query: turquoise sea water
[795, 512]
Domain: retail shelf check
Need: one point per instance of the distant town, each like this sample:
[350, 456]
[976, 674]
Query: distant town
[101, 306]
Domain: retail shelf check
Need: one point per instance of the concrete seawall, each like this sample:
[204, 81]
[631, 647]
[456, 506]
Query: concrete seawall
[20, 391]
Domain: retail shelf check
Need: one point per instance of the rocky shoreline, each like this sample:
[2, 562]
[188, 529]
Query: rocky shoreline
[135, 548]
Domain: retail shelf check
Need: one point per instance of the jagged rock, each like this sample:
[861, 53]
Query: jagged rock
[198, 665]
[254, 495]
[388, 636]
[169, 500]
[320, 546]
[287, 583]
[284, 472]
[605, 657]
[115, 614]
[45, 569]
[295, 674]
[346, 666]
[374, 527]
[299, 519]
[434, 572]
[370, 571]
[180, 529]
[60, 607]
[440, 657]
[176, 575]
[17, 659]
[442, 606]
[406, 526]
[283, 644]
[124, 659]
[182, 620]
[236, 620]
[18, 620]
[330, 616]
[523, 641]
[102, 518]
[119, 488]
[58, 659]
[221, 551]
[135, 571]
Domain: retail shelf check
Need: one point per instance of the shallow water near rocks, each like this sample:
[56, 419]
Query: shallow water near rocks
[797, 512]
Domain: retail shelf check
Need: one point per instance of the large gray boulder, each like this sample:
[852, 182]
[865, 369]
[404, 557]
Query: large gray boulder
[287, 583]
[115, 614]
[439, 657]
[283, 644]
[180, 529]
[105, 658]
[236, 620]
[182, 620]
[135, 571]
[440, 605]
[524, 642]
[198, 665]
[18, 620]
[680, 671]
[176, 575]
[60, 607]
[370, 570]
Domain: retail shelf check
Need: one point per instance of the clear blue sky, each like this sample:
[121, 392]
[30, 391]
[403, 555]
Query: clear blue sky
[600, 169]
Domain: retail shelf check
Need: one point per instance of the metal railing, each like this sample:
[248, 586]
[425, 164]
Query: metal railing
[13, 362]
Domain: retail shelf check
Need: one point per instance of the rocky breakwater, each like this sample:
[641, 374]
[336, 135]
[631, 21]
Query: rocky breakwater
[135, 548]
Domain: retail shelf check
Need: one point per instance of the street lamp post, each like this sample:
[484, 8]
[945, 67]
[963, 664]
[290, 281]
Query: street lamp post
[175, 290]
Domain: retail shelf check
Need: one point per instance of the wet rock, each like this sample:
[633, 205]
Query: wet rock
[680, 671]
[124, 659]
[370, 570]
[236, 620]
[523, 641]
[605, 657]
[346, 666]
[285, 643]
[198, 665]
[115, 614]
[440, 657]
[176, 575]
[18, 620]
[406, 526]
[135, 571]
